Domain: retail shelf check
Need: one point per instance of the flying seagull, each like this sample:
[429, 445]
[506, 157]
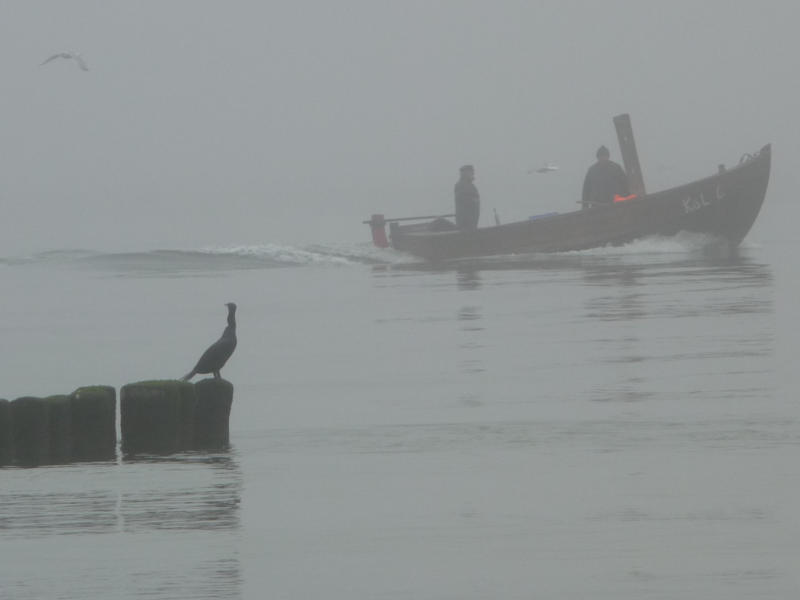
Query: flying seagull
[73, 55]
[545, 169]
[218, 353]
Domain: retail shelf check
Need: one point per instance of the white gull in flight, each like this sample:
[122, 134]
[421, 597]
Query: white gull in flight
[73, 55]
[545, 169]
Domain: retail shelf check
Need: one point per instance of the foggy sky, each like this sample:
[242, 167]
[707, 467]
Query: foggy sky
[211, 124]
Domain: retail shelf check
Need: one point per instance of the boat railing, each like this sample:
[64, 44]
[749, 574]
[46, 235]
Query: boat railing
[377, 224]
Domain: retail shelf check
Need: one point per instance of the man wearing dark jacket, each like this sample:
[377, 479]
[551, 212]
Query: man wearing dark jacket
[468, 201]
[604, 180]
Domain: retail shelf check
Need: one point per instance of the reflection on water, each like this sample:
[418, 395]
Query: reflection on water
[680, 326]
[145, 526]
[30, 514]
[471, 349]
[213, 505]
[469, 315]
[599, 436]
[470, 361]
[468, 278]
[635, 325]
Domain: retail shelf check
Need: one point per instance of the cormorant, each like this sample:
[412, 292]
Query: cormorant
[220, 351]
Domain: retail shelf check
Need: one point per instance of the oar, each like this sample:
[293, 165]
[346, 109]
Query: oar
[410, 219]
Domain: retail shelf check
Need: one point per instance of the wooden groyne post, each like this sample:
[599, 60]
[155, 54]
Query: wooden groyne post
[156, 416]
[30, 431]
[94, 422]
[57, 429]
[212, 413]
[6, 441]
[166, 416]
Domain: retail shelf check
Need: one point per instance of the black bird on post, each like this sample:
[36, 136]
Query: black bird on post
[220, 351]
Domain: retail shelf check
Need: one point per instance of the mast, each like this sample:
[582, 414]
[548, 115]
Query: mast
[630, 157]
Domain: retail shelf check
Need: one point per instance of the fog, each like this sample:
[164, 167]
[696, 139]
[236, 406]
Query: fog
[207, 123]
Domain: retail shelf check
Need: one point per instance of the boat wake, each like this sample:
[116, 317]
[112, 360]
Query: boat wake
[275, 255]
[685, 246]
[683, 243]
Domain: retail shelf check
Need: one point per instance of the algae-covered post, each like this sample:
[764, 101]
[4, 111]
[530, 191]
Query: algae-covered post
[6, 438]
[59, 424]
[31, 424]
[156, 416]
[59, 429]
[169, 416]
[94, 422]
[214, 399]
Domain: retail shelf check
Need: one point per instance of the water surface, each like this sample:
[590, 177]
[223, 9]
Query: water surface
[618, 423]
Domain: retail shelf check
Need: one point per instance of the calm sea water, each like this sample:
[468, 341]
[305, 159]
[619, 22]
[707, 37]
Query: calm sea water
[620, 424]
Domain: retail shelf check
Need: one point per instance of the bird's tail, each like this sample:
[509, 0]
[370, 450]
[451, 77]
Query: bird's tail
[188, 376]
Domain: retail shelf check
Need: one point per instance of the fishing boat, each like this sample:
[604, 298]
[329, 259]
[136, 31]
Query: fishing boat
[724, 205]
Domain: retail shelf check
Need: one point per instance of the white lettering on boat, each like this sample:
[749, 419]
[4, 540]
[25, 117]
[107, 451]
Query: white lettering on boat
[695, 202]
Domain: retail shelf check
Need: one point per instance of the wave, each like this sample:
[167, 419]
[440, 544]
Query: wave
[49, 256]
[257, 256]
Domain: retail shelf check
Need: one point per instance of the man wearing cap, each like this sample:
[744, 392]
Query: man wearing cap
[603, 181]
[468, 201]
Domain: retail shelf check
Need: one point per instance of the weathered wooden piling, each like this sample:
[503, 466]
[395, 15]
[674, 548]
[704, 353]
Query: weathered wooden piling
[156, 416]
[6, 437]
[169, 416]
[94, 422]
[59, 426]
[212, 412]
[30, 419]
[187, 403]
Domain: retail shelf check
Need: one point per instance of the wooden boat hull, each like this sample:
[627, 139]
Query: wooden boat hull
[724, 205]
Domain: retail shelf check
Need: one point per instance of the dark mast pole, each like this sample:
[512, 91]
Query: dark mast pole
[630, 157]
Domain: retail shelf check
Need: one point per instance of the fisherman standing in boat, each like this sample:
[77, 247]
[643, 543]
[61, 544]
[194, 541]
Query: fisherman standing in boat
[604, 180]
[468, 201]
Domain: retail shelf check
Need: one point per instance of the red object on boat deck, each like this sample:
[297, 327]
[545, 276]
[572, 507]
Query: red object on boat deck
[378, 226]
[618, 198]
